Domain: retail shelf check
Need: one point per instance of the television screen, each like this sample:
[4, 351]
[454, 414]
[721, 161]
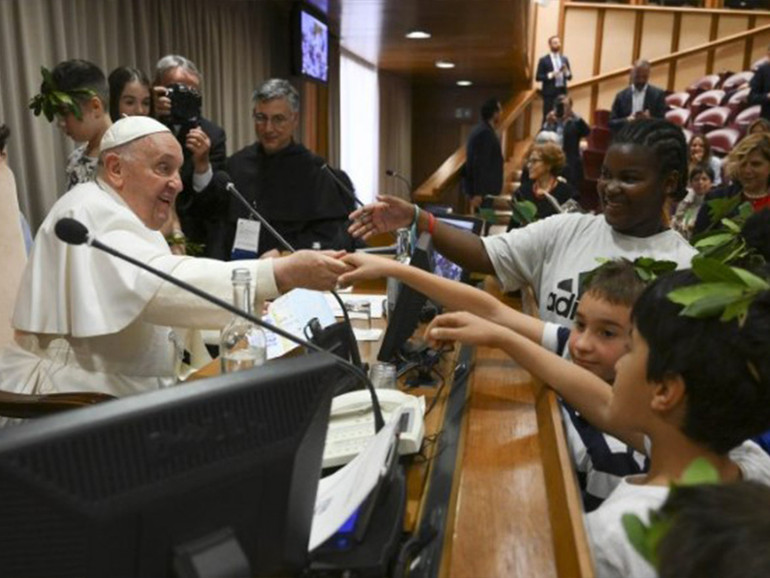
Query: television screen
[313, 49]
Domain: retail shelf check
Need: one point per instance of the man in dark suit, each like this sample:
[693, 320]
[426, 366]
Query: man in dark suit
[640, 100]
[199, 208]
[760, 87]
[553, 71]
[483, 171]
[563, 121]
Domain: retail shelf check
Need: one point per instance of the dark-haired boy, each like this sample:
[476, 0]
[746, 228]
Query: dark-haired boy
[687, 388]
[87, 86]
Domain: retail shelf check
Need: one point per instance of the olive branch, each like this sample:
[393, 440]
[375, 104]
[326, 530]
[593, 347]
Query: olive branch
[50, 100]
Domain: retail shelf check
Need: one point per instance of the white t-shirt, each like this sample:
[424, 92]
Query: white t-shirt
[614, 555]
[553, 254]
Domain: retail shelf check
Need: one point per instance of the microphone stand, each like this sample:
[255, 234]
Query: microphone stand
[379, 422]
[325, 167]
[403, 179]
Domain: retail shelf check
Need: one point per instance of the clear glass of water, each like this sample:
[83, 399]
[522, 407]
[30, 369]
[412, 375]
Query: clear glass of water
[383, 375]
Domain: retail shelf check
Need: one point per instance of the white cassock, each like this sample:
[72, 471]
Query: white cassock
[87, 321]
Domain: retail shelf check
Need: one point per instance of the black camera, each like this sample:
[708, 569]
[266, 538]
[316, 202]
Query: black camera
[185, 105]
[559, 109]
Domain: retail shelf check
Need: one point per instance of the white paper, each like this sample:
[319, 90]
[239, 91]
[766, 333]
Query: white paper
[291, 312]
[367, 334]
[376, 303]
[247, 235]
[346, 489]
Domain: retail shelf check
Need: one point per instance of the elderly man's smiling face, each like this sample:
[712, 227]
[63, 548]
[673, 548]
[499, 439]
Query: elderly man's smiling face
[145, 173]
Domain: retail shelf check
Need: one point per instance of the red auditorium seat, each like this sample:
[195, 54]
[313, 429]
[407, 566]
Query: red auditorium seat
[678, 99]
[678, 116]
[601, 118]
[723, 140]
[711, 118]
[738, 100]
[746, 117]
[706, 100]
[737, 80]
[599, 138]
[708, 82]
[592, 164]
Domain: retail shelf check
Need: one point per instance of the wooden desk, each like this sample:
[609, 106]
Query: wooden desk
[511, 507]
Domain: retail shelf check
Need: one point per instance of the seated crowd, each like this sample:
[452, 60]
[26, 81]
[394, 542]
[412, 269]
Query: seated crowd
[650, 377]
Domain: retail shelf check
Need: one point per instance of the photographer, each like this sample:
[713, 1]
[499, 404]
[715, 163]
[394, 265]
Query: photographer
[571, 128]
[177, 104]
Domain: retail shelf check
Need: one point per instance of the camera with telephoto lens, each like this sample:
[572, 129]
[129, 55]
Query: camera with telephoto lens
[185, 105]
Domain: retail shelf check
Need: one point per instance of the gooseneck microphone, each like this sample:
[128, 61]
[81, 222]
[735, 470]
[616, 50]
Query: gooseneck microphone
[74, 232]
[402, 178]
[223, 181]
[330, 171]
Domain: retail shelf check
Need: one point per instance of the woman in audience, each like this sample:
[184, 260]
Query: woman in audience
[759, 126]
[700, 154]
[129, 93]
[545, 187]
[701, 181]
[748, 168]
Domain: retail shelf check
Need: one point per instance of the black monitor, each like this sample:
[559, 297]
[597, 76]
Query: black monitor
[214, 476]
[443, 266]
[406, 313]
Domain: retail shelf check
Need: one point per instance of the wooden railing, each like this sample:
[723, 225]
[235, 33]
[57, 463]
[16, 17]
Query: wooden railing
[449, 171]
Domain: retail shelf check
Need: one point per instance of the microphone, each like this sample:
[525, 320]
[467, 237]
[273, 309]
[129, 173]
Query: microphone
[403, 179]
[325, 167]
[223, 181]
[73, 232]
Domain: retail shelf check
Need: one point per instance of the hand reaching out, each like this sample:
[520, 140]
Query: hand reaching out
[385, 215]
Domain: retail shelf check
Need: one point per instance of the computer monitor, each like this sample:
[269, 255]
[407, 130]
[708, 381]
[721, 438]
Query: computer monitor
[443, 266]
[125, 487]
[406, 314]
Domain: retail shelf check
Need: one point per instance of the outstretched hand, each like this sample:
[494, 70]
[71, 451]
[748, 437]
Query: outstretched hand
[363, 267]
[463, 327]
[385, 215]
[318, 270]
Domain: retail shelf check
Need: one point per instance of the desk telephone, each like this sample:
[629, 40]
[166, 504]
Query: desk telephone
[351, 423]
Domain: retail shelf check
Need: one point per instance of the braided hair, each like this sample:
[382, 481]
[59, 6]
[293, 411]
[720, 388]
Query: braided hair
[668, 144]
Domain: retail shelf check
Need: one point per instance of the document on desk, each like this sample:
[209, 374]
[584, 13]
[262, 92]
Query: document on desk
[291, 312]
[376, 302]
[346, 489]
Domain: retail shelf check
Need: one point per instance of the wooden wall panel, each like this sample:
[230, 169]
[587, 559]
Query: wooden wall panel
[761, 41]
[618, 44]
[656, 35]
[608, 90]
[581, 102]
[730, 57]
[659, 76]
[695, 30]
[579, 33]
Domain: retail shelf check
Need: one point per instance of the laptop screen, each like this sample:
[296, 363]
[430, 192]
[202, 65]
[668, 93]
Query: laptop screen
[443, 266]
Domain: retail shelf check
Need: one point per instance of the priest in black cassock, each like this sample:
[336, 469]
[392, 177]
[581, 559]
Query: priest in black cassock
[286, 183]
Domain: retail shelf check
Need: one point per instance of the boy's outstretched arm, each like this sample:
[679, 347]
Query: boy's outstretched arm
[451, 294]
[583, 390]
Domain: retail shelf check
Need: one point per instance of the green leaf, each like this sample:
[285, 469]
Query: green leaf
[524, 212]
[636, 532]
[718, 238]
[707, 306]
[693, 293]
[713, 271]
[750, 280]
[732, 225]
[700, 471]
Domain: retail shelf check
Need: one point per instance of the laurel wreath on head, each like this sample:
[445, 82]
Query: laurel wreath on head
[51, 100]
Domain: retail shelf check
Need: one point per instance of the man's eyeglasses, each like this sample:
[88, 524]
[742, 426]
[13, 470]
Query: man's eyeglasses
[278, 121]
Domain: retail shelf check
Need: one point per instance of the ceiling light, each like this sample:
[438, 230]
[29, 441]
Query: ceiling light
[464, 83]
[418, 35]
[444, 64]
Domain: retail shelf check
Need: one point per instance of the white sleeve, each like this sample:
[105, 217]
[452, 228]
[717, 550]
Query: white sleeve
[518, 256]
[175, 307]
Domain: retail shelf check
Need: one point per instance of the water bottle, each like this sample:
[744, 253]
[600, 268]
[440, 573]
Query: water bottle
[403, 254]
[242, 343]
